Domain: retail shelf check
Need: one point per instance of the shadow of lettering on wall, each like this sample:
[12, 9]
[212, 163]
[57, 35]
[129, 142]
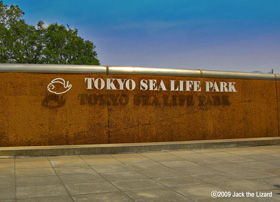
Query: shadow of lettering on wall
[53, 101]
[153, 100]
[56, 101]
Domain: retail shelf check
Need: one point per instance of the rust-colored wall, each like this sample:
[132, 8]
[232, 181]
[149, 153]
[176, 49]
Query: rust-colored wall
[278, 104]
[31, 115]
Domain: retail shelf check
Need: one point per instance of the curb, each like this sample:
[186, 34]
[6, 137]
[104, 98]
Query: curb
[62, 150]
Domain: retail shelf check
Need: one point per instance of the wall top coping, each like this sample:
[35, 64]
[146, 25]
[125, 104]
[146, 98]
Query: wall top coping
[113, 70]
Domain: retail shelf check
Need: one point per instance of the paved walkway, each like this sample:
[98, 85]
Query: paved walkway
[160, 176]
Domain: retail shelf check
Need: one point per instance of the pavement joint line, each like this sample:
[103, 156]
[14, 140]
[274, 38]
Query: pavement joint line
[64, 150]
[151, 178]
[60, 180]
[15, 176]
[102, 176]
[127, 159]
[165, 186]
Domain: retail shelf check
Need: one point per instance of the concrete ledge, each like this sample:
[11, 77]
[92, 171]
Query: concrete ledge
[134, 147]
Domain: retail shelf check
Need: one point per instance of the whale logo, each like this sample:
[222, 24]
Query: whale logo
[59, 86]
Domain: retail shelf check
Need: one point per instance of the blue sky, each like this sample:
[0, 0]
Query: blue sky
[230, 35]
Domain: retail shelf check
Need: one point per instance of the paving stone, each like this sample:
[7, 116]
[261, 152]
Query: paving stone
[198, 170]
[48, 199]
[203, 151]
[100, 161]
[229, 167]
[256, 165]
[33, 165]
[7, 172]
[261, 157]
[72, 161]
[156, 195]
[81, 178]
[6, 163]
[7, 192]
[6, 160]
[227, 157]
[162, 172]
[273, 181]
[34, 181]
[133, 160]
[231, 199]
[31, 159]
[147, 166]
[190, 156]
[37, 162]
[40, 191]
[129, 175]
[178, 164]
[75, 170]
[114, 168]
[216, 178]
[32, 172]
[164, 157]
[196, 192]
[137, 184]
[273, 171]
[243, 185]
[182, 152]
[163, 153]
[178, 181]
[96, 156]
[252, 174]
[7, 180]
[243, 151]
[88, 188]
[104, 197]
[266, 149]
[207, 161]
[157, 176]
[276, 155]
[275, 162]
[132, 155]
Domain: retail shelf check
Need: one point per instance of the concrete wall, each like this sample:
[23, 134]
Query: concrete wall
[32, 114]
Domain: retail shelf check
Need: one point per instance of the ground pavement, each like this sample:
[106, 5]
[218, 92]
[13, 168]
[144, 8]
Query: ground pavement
[251, 174]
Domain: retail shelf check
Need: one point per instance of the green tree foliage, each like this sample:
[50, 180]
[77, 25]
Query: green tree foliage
[54, 44]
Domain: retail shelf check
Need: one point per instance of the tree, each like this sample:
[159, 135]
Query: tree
[55, 44]
[65, 46]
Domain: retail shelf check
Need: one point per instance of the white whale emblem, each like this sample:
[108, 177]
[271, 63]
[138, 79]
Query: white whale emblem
[62, 84]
